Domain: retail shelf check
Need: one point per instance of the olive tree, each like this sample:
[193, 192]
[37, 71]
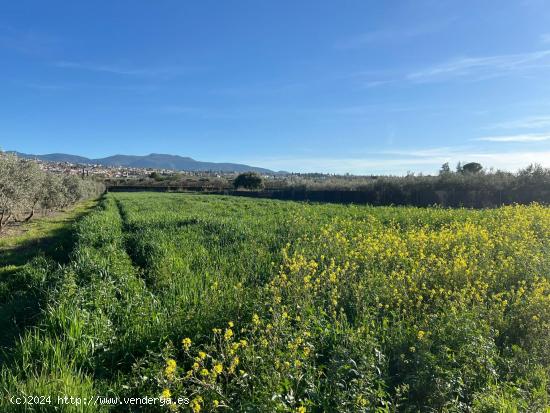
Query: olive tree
[29, 178]
[24, 187]
[53, 193]
[8, 188]
[72, 184]
[248, 180]
[20, 184]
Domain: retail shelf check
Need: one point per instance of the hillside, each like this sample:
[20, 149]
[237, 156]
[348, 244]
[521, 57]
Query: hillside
[153, 160]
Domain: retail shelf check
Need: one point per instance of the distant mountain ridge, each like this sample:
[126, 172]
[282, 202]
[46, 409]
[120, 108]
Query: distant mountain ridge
[153, 160]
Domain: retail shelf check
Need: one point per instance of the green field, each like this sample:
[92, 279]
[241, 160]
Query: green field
[259, 305]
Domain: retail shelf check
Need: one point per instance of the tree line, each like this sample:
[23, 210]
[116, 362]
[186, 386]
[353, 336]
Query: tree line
[25, 189]
[467, 185]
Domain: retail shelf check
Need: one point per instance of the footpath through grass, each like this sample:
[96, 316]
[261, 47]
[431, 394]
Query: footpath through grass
[47, 235]
[46, 240]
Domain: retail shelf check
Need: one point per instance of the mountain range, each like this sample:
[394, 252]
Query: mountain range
[153, 160]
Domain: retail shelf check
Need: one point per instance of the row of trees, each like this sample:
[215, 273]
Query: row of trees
[25, 189]
[469, 185]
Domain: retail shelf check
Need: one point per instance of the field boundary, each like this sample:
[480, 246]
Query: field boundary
[457, 198]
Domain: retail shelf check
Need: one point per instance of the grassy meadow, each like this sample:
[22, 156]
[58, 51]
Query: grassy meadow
[273, 306]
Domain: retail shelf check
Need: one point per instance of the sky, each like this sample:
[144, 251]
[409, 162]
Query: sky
[361, 87]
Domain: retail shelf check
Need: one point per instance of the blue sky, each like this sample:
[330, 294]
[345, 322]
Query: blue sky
[334, 86]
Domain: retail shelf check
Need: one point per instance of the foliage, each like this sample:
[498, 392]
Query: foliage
[248, 180]
[476, 190]
[24, 187]
[262, 305]
[471, 187]
[471, 168]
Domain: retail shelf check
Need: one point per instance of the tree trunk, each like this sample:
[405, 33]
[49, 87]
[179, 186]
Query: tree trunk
[3, 221]
[30, 216]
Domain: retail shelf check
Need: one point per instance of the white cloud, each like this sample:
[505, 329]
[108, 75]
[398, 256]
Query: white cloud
[464, 68]
[399, 163]
[376, 83]
[201, 112]
[526, 137]
[530, 122]
[381, 36]
[344, 165]
[392, 35]
[374, 109]
[75, 86]
[159, 71]
[483, 67]
[545, 38]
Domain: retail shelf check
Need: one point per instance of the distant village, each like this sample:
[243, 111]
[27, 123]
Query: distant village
[112, 172]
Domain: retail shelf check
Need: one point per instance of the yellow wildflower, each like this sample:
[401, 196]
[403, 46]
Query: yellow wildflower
[234, 364]
[196, 404]
[186, 342]
[170, 367]
[228, 334]
[166, 394]
[218, 368]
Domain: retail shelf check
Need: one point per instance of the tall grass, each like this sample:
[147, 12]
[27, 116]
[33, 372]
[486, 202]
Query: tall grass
[262, 305]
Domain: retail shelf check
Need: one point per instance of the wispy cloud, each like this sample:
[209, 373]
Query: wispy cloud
[483, 67]
[77, 86]
[223, 113]
[545, 38]
[376, 83]
[529, 137]
[365, 110]
[199, 112]
[355, 165]
[116, 69]
[437, 152]
[465, 68]
[391, 35]
[530, 122]
[268, 88]
[426, 160]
